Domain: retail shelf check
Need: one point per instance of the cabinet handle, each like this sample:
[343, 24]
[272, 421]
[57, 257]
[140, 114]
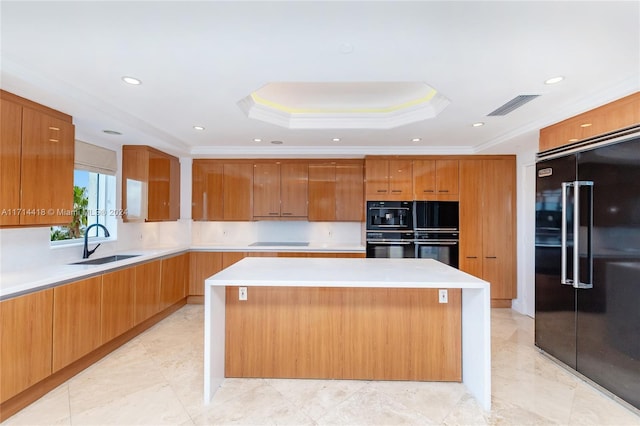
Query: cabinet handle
[382, 190]
[472, 257]
[396, 190]
[272, 213]
[491, 257]
[287, 214]
[428, 190]
[443, 190]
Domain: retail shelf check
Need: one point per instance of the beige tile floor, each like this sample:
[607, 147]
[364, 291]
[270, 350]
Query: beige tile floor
[157, 379]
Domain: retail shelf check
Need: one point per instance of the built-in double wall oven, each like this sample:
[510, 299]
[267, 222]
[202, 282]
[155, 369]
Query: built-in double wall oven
[413, 229]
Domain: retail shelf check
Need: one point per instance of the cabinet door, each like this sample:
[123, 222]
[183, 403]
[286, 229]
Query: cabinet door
[118, 299]
[135, 176]
[424, 180]
[76, 320]
[322, 192]
[25, 341]
[147, 291]
[266, 190]
[11, 132]
[294, 189]
[377, 179]
[349, 193]
[471, 210]
[238, 191]
[447, 177]
[174, 189]
[231, 257]
[46, 169]
[159, 187]
[401, 179]
[498, 227]
[175, 276]
[207, 190]
[203, 265]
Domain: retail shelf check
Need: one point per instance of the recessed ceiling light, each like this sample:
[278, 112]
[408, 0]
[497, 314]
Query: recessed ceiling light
[276, 142]
[257, 140]
[336, 139]
[416, 140]
[111, 132]
[198, 127]
[478, 124]
[554, 80]
[131, 80]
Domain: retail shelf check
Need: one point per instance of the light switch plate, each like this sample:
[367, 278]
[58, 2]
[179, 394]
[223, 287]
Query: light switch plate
[443, 296]
[242, 293]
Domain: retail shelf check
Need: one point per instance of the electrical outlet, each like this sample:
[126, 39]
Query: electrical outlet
[443, 296]
[242, 293]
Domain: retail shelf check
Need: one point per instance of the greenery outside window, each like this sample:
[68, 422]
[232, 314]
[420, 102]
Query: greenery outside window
[94, 197]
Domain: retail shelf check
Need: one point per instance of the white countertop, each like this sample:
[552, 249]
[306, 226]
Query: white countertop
[23, 281]
[321, 272]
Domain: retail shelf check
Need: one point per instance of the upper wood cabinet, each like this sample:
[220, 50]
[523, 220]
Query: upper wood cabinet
[36, 163]
[336, 191]
[222, 190]
[488, 223]
[280, 190]
[613, 116]
[150, 184]
[435, 180]
[26, 324]
[389, 179]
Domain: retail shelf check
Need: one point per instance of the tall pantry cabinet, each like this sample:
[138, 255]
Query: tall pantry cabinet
[488, 224]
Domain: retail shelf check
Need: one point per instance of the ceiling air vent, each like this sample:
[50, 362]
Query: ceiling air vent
[514, 103]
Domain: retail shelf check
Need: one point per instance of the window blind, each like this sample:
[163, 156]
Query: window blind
[95, 159]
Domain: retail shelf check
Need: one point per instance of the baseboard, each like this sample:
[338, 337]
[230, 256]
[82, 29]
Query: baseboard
[37, 391]
[195, 300]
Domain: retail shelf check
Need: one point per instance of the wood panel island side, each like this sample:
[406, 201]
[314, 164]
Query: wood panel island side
[368, 319]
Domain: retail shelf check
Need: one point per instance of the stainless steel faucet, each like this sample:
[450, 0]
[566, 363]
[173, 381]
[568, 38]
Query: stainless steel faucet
[87, 252]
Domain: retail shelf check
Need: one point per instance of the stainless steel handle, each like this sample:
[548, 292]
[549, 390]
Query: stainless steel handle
[437, 243]
[404, 243]
[576, 235]
[563, 236]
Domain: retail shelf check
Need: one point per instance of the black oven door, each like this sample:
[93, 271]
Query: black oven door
[391, 250]
[442, 215]
[443, 251]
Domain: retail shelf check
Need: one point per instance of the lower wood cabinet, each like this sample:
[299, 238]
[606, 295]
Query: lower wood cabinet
[77, 326]
[25, 341]
[174, 280]
[203, 265]
[118, 296]
[147, 290]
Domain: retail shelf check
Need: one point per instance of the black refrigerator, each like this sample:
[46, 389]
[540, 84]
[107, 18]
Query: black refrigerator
[587, 260]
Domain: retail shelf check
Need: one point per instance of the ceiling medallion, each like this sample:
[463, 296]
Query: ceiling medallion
[344, 105]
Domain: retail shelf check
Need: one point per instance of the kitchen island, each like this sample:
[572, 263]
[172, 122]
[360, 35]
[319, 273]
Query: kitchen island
[371, 319]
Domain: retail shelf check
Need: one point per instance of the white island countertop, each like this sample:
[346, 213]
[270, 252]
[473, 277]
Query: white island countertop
[355, 272]
[320, 272]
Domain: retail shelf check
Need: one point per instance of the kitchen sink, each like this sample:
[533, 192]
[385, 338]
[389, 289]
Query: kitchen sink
[108, 259]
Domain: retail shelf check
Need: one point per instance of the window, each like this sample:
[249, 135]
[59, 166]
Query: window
[93, 202]
[94, 196]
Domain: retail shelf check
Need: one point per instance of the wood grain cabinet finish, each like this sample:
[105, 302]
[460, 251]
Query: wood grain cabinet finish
[222, 190]
[150, 184]
[280, 190]
[26, 325]
[203, 265]
[389, 179]
[147, 290]
[613, 116]
[343, 333]
[174, 279]
[487, 224]
[336, 191]
[435, 180]
[76, 320]
[36, 156]
[118, 303]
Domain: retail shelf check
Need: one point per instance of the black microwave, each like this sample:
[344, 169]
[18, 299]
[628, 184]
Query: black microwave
[436, 215]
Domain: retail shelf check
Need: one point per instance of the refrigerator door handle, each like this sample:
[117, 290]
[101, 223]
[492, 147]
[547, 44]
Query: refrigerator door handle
[576, 235]
[563, 236]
